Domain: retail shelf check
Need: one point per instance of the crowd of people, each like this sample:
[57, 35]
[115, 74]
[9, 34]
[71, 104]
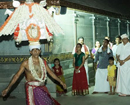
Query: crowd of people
[111, 63]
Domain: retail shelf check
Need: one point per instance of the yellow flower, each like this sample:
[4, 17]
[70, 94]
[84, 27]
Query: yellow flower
[87, 53]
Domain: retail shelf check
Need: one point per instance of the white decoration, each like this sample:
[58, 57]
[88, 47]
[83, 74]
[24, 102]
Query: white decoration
[51, 9]
[33, 71]
[42, 14]
[43, 3]
[41, 17]
[8, 12]
[19, 15]
[16, 3]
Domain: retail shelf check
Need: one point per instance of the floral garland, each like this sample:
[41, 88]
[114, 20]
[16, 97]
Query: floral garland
[33, 71]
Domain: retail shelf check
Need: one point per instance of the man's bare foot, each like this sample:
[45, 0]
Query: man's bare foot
[122, 95]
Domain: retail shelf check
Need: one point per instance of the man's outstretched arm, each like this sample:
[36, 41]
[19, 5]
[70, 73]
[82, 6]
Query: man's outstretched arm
[14, 79]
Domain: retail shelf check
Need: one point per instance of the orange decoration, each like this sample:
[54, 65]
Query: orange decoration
[16, 35]
[16, 32]
[30, 8]
[28, 36]
[50, 34]
[31, 16]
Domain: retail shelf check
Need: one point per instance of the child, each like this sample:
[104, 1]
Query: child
[111, 75]
[79, 85]
[57, 69]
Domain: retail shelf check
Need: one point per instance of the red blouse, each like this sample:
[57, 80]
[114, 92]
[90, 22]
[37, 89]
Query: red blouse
[58, 71]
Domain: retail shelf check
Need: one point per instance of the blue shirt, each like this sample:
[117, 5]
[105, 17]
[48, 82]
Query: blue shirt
[103, 57]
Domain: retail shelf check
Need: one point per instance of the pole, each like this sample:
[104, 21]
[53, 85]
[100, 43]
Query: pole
[128, 27]
[119, 26]
[108, 33]
[93, 29]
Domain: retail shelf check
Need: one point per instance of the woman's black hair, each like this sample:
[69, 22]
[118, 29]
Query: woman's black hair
[79, 45]
[99, 43]
[57, 59]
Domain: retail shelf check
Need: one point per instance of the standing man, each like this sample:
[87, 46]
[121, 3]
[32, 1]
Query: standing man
[123, 57]
[35, 70]
[102, 55]
[110, 44]
[85, 50]
[114, 48]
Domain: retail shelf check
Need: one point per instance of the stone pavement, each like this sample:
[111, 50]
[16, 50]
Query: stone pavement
[97, 99]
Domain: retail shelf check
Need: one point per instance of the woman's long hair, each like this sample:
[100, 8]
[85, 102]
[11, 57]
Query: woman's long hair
[56, 59]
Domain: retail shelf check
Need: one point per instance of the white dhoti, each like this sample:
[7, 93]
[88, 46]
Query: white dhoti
[101, 83]
[123, 80]
[123, 77]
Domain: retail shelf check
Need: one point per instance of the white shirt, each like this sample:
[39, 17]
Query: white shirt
[83, 50]
[114, 48]
[124, 51]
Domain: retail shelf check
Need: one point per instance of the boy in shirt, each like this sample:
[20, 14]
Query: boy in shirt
[111, 78]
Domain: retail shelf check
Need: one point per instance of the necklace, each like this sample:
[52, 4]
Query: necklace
[33, 71]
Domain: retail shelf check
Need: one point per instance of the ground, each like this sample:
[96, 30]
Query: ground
[96, 99]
